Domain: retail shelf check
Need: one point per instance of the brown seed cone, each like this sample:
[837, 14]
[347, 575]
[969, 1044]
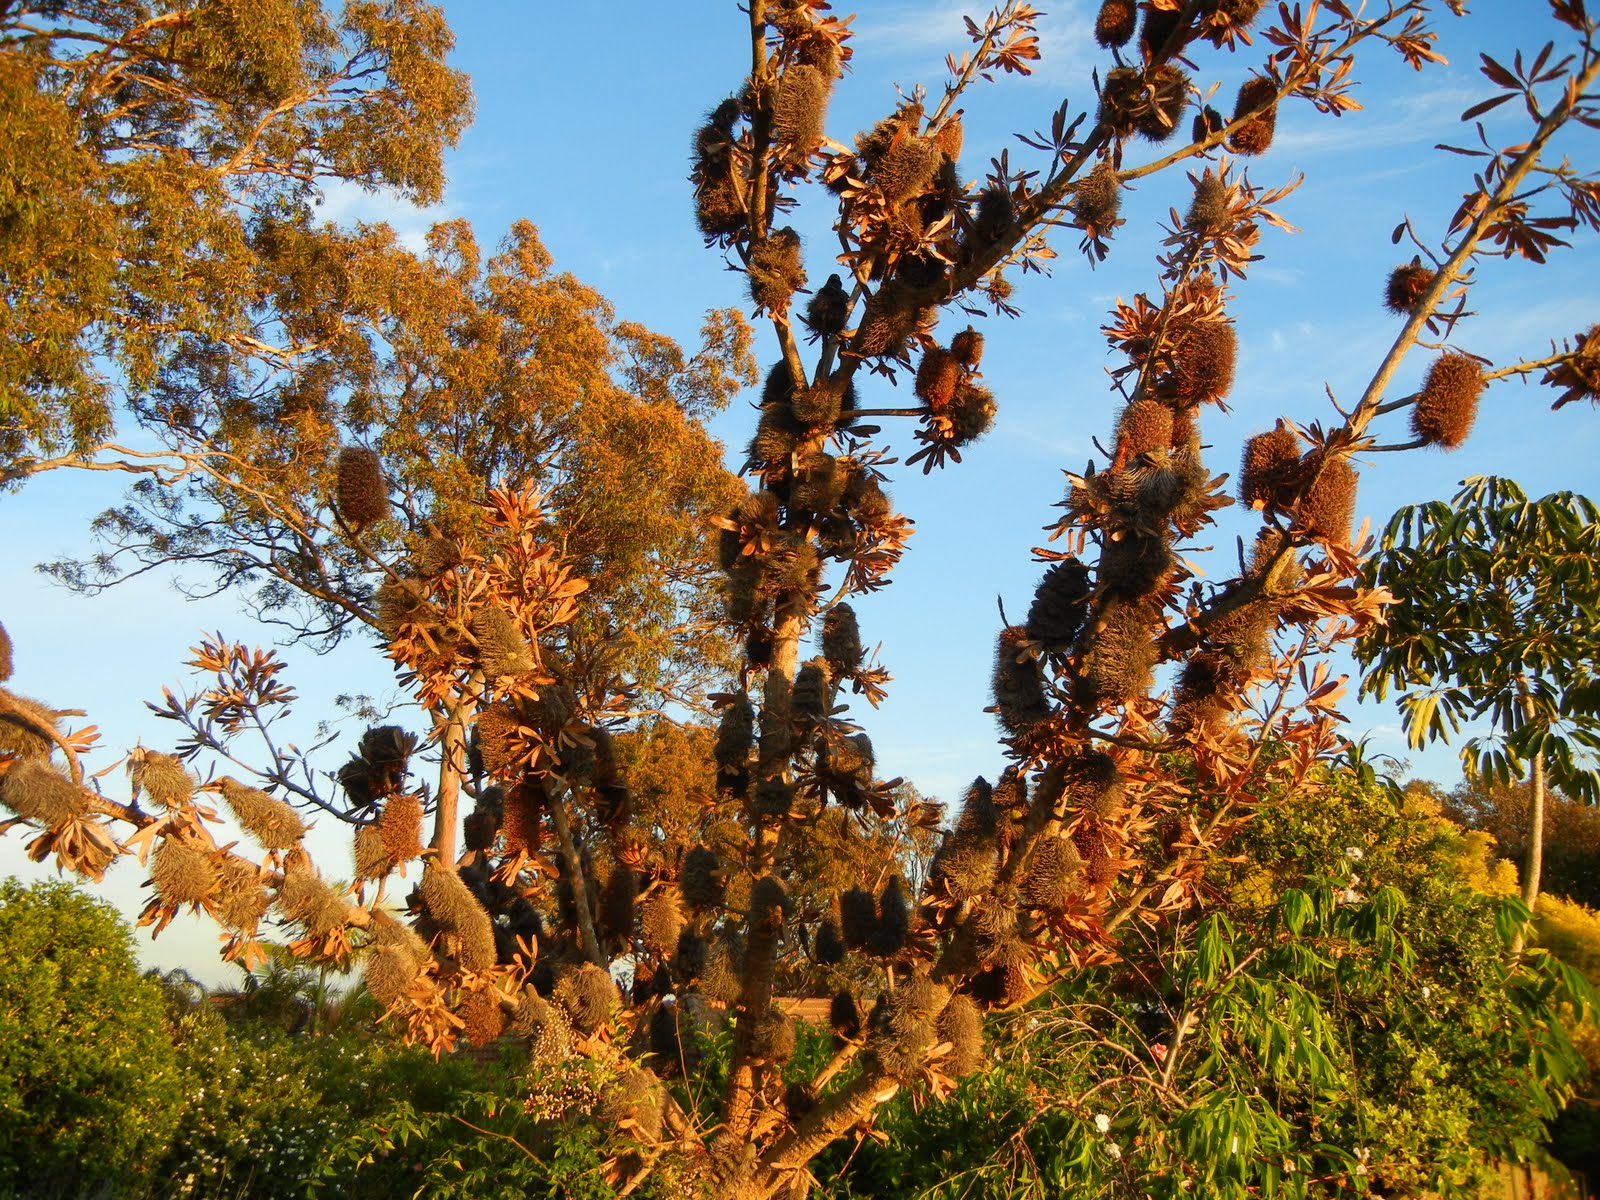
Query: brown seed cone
[961, 1024]
[717, 209]
[996, 217]
[1204, 363]
[25, 730]
[390, 974]
[6, 664]
[721, 979]
[387, 750]
[772, 1038]
[971, 412]
[811, 695]
[1255, 135]
[701, 878]
[661, 921]
[586, 994]
[820, 483]
[1207, 121]
[546, 1026]
[841, 641]
[1061, 604]
[858, 917]
[775, 270]
[1448, 404]
[164, 779]
[1331, 504]
[436, 555]
[1115, 23]
[1270, 468]
[1098, 198]
[938, 375]
[361, 492]
[182, 873]
[37, 791]
[844, 1017]
[306, 900]
[1406, 286]
[1055, 874]
[967, 346]
[502, 650]
[967, 866]
[829, 945]
[453, 907]
[1158, 28]
[481, 1017]
[372, 860]
[818, 406]
[777, 435]
[1017, 685]
[1208, 212]
[889, 319]
[519, 821]
[672, 1042]
[480, 828]
[950, 136]
[400, 826]
[903, 1030]
[618, 906]
[269, 820]
[1119, 665]
[1134, 565]
[400, 603]
[498, 740]
[907, 168]
[1168, 92]
[1145, 425]
[241, 898]
[893, 926]
[736, 735]
[829, 308]
[799, 111]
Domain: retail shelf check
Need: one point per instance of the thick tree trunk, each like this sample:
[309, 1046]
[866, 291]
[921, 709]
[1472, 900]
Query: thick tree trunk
[1533, 865]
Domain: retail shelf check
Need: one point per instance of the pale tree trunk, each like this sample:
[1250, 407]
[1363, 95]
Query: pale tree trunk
[1533, 865]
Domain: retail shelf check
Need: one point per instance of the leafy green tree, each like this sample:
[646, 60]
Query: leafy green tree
[1571, 867]
[1497, 616]
[90, 1086]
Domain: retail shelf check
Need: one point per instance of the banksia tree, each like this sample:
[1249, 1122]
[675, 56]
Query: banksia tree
[546, 866]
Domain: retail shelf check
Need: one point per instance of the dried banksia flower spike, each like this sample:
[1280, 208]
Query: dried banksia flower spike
[1254, 136]
[829, 308]
[361, 494]
[1448, 403]
[272, 822]
[1406, 286]
[502, 650]
[5, 654]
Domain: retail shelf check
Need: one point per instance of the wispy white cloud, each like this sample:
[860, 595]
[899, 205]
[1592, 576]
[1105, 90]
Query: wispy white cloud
[345, 203]
[939, 28]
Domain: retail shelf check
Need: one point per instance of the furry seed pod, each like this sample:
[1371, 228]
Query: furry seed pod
[689, 957]
[961, 1024]
[361, 492]
[852, 760]
[25, 731]
[1115, 23]
[772, 1038]
[1055, 874]
[1330, 505]
[1255, 135]
[390, 973]
[829, 308]
[400, 603]
[844, 1017]
[906, 169]
[269, 820]
[1143, 427]
[661, 920]
[858, 917]
[841, 641]
[1100, 866]
[967, 866]
[502, 650]
[372, 859]
[882, 137]
[6, 664]
[1407, 285]
[1207, 123]
[774, 797]
[400, 826]
[481, 1019]
[162, 778]
[1167, 91]
[769, 902]
[722, 980]
[938, 375]
[971, 412]
[387, 750]
[37, 791]
[889, 319]
[586, 995]
[828, 945]
[893, 926]
[819, 484]
[618, 904]
[1018, 688]
[775, 270]
[777, 388]
[865, 499]
[701, 878]
[777, 436]
[549, 1031]
[519, 822]
[306, 899]
[1159, 26]
[1204, 363]
[1118, 666]
[1060, 606]
[996, 218]
[967, 346]
[811, 695]
[1120, 97]
[1270, 469]
[436, 555]
[1448, 404]
[451, 904]
[240, 898]
[1208, 211]
[1098, 197]
[799, 112]
[1199, 699]
[499, 742]
[903, 1031]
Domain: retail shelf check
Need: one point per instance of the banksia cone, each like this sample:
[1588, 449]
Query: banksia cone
[811, 694]
[724, 967]
[1098, 198]
[498, 741]
[454, 908]
[853, 760]
[1577, 375]
[865, 499]
[1407, 285]
[889, 319]
[34, 789]
[519, 820]
[829, 308]
[903, 1032]
[1331, 503]
[829, 946]
[1159, 26]
[1120, 98]
[436, 555]
[772, 1038]
[701, 878]
[1208, 212]
[1134, 566]
[689, 958]
[400, 602]
[1199, 700]
[269, 820]
[163, 779]
[5, 655]
[400, 826]
[1255, 135]
[893, 926]
[390, 973]
[661, 921]
[362, 493]
[841, 641]
[1145, 425]
[967, 865]
[1055, 874]
[820, 484]
[546, 1026]
[937, 377]
[798, 111]
[481, 827]
[1271, 464]
[777, 435]
[1168, 91]
[971, 412]
[182, 873]
[1204, 360]
[1119, 665]
[844, 1017]
[1448, 404]
[481, 1019]
[858, 917]
[1207, 121]
[775, 270]
[818, 406]
[502, 650]
[25, 730]
[1018, 687]
[372, 859]
[967, 346]
[996, 218]
[305, 899]
[907, 168]
[774, 797]
[585, 995]
[240, 898]
[1115, 23]
[673, 1045]
[961, 1024]
[1100, 867]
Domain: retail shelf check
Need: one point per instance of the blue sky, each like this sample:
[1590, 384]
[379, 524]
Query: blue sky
[584, 120]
